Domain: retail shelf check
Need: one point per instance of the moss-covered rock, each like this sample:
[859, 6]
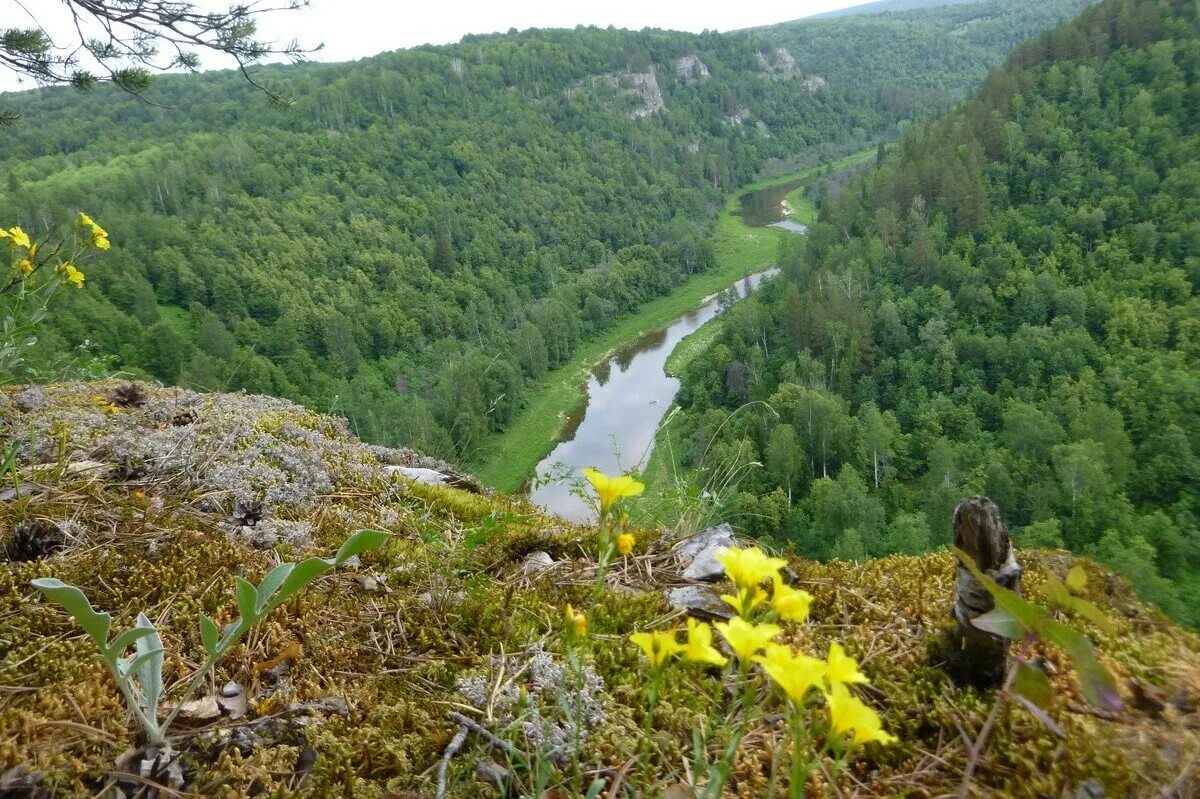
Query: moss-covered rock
[349, 684]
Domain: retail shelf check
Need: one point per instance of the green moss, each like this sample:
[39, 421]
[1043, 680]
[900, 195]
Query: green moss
[449, 600]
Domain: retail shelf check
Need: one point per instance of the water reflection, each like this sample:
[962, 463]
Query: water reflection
[762, 207]
[623, 410]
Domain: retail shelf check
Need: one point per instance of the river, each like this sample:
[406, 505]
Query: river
[629, 392]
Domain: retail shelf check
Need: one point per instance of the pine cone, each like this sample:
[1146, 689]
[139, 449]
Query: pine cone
[248, 514]
[34, 540]
[130, 395]
[184, 418]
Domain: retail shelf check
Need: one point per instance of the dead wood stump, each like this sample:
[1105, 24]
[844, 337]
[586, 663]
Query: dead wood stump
[976, 657]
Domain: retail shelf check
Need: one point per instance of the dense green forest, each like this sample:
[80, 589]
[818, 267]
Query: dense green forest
[919, 58]
[1006, 305]
[425, 233]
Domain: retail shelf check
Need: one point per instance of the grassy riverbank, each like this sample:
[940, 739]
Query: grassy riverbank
[665, 471]
[508, 458]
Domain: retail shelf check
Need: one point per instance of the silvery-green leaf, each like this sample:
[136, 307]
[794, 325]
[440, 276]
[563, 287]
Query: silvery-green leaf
[94, 624]
[149, 672]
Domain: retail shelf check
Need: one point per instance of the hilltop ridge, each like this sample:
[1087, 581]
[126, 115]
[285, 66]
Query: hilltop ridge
[348, 687]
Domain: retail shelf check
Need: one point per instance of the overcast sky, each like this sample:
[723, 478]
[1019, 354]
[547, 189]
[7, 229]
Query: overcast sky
[353, 29]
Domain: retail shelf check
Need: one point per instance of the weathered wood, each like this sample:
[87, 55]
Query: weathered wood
[977, 657]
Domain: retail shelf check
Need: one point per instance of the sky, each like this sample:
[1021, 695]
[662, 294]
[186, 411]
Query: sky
[351, 29]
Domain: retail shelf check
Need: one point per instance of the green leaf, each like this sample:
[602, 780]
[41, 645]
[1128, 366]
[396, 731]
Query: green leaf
[595, 788]
[1076, 579]
[1032, 683]
[270, 584]
[1024, 613]
[133, 665]
[247, 599]
[127, 639]
[998, 621]
[1094, 680]
[360, 542]
[301, 575]
[208, 635]
[1081, 607]
[150, 663]
[1057, 594]
[94, 624]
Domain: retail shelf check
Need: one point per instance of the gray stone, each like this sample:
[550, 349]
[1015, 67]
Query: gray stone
[537, 562]
[699, 553]
[699, 600]
[30, 399]
[417, 474]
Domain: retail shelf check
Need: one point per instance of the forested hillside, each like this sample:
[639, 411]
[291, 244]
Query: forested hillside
[426, 232]
[934, 55]
[1006, 306]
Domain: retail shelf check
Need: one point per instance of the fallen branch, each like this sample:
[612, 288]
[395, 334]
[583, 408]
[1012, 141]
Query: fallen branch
[452, 748]
[485, 733]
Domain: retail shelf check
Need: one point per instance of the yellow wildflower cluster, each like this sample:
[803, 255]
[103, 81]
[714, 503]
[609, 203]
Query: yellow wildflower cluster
[26, 251]
[99, 234]
[104, 405]
[576, 622]
[751, 638]
[610, 491]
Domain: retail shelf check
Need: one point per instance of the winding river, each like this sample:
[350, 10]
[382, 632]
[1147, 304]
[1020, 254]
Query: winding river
[629, 392]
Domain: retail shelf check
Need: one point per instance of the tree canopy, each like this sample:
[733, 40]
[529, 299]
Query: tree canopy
[1006, 306]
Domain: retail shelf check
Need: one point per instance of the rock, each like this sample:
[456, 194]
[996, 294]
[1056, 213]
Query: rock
[645, 84]
[418, 474]
[205, 709]
[1148, 698]
[690, 69]
[234, 706]
[537, 562]
[699, 553]
[21, 781]
[30, 399]
[699, 600]
[1089, 789]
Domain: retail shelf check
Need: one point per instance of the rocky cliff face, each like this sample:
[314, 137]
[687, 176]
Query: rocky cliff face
[153, 499]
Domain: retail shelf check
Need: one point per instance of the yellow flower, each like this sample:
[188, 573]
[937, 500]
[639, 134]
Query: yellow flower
[611, 489]
[625, 543]
[796, 674]
[699, 645]
[26, 267]
[747, 600]
[99, 234]
[74, 276]
[17, 237]
[841, 668]
[104, 405]
[848, 713]
[744, 638]
[576, 621]
[791, 603]
[659, 646]
[749, 567]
